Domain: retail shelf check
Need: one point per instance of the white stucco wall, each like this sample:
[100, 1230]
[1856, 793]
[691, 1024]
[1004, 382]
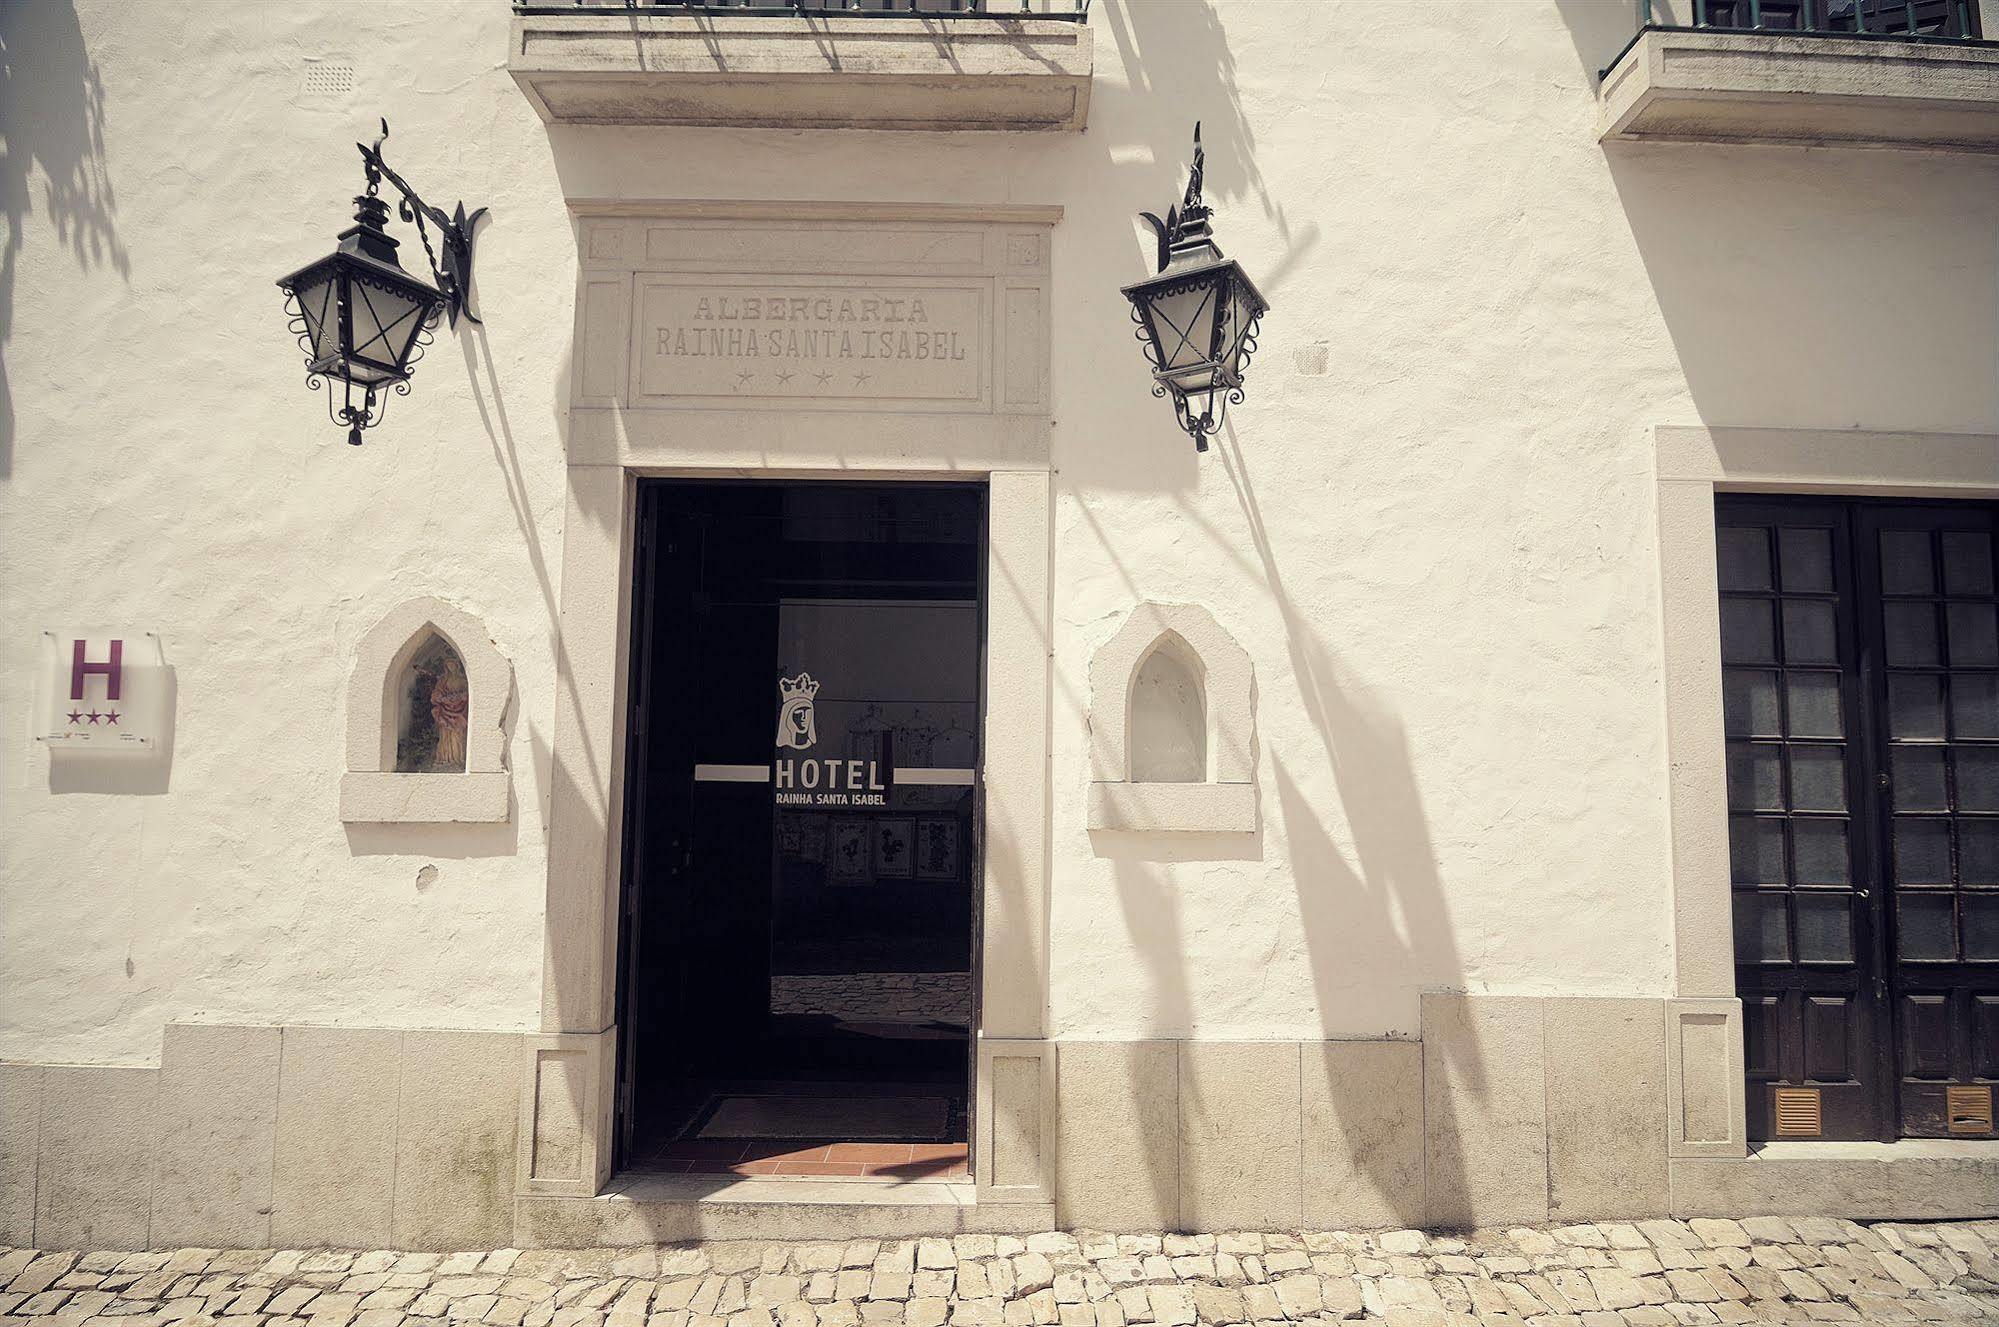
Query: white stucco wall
[1438, 551]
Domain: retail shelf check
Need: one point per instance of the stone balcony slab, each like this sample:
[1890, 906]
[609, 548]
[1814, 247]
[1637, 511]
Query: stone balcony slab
[1762, 87]
[769, 72]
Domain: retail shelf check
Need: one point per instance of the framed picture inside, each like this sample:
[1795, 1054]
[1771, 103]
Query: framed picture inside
[811, 838]
[852, 862]
[937, 848]
[895, 847]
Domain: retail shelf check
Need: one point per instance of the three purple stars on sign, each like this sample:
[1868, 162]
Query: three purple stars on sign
[94, 716]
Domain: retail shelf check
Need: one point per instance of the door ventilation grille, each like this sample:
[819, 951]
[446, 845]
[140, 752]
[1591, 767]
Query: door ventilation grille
[1969, 1109]
[1798, 1112]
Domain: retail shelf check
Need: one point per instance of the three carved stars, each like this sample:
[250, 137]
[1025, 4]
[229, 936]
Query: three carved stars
[93, 716]
[824, 377]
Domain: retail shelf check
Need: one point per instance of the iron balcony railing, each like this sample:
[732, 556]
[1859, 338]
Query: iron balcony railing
[1885, 20]
[1071, 11]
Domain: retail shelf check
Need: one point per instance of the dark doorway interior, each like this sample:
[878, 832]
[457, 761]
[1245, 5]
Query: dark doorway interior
[800, 852]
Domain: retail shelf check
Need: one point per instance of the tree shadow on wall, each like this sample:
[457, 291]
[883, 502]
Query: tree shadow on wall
[1383, 895]
[51, 115]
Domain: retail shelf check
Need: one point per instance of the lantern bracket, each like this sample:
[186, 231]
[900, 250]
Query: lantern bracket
[454, 270]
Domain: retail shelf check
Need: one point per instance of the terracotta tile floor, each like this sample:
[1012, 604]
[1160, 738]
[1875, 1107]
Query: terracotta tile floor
[791, 1156]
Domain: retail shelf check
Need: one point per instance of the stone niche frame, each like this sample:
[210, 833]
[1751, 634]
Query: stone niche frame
[991, 422]
[1225, 801]
[1706, 1114]
[373, 791]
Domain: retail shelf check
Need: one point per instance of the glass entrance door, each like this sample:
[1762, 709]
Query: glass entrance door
[802, 828]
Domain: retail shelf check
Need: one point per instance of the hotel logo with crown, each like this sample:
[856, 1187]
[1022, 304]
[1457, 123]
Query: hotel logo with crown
[795, 726]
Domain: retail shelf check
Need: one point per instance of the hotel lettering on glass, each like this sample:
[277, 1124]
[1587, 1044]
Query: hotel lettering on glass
[102, 692]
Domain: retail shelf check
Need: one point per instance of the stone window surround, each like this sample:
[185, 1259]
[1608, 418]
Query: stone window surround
[613, 442]
[1704, 1070]
[372, 791]
[1225, 801]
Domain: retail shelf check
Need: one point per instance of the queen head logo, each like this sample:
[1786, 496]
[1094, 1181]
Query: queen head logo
[795, 728]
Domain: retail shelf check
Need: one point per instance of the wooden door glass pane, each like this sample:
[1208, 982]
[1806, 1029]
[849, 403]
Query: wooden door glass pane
[1755, 777]
[1978, 852]
[1912, 634]
[1805, 558]
[1926, 928]
[1922, 852]
[1814, 705]
[1974, 705]
[1905, 562]
[1981, 928]
[1915, 706]
[1744, 555]
[1973, 635]
[1747, 633]
[1918, 778]
[1977, 777]
[1967, 562]
[1825, 927]
[1819, 850]
[1809, 636]
[1756, 850]
[1818, 778]
[1749, 703]
[1760, 934]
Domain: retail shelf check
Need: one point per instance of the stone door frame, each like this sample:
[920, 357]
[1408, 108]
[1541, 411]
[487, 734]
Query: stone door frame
[618, 434]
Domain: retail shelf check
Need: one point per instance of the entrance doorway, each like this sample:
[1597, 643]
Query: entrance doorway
[1860, 681]
[797, 990]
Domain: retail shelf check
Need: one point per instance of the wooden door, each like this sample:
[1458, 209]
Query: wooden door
[1808, 946]
[1927, 576]
[1860, 662]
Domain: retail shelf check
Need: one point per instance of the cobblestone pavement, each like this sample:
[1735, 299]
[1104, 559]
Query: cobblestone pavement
[1654, 1272]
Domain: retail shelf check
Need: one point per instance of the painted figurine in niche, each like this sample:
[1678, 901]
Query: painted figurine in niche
[436, 703]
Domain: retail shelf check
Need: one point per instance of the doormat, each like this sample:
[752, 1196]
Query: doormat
[854, 1119]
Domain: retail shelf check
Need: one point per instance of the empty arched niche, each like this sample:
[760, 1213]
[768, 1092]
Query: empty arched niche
[1172, 726]
[427, 708]
[1168, 716]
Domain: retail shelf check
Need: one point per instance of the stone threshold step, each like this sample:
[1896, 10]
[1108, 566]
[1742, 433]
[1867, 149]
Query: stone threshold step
[679, 1208]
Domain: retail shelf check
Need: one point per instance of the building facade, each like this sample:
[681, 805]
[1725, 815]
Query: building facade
[1539, 762]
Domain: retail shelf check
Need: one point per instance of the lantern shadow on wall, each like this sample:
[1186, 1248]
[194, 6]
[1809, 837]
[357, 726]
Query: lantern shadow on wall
[1198, 317]
[359, 317]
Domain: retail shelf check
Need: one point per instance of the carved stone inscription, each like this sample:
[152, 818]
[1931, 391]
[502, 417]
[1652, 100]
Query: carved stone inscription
[865, 341]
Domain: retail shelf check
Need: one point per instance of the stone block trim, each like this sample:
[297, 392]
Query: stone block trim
[1512, 1110]
[253, 1134]
[1651, 1274]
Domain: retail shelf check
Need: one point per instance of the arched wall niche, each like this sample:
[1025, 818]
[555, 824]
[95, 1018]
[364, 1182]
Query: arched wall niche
[428, 705]
[1168, 668]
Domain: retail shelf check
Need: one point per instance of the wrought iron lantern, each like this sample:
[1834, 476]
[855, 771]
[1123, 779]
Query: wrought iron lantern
[359, 317]
[1197, 318]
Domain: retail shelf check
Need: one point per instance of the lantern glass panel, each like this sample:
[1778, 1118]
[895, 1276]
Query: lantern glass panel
[321, 312]
[386, 321]
[1184, 322]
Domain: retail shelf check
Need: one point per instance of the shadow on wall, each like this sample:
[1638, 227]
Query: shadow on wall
[1349, 904]
[1600, 29]
[1821, 288]
[52, 115]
